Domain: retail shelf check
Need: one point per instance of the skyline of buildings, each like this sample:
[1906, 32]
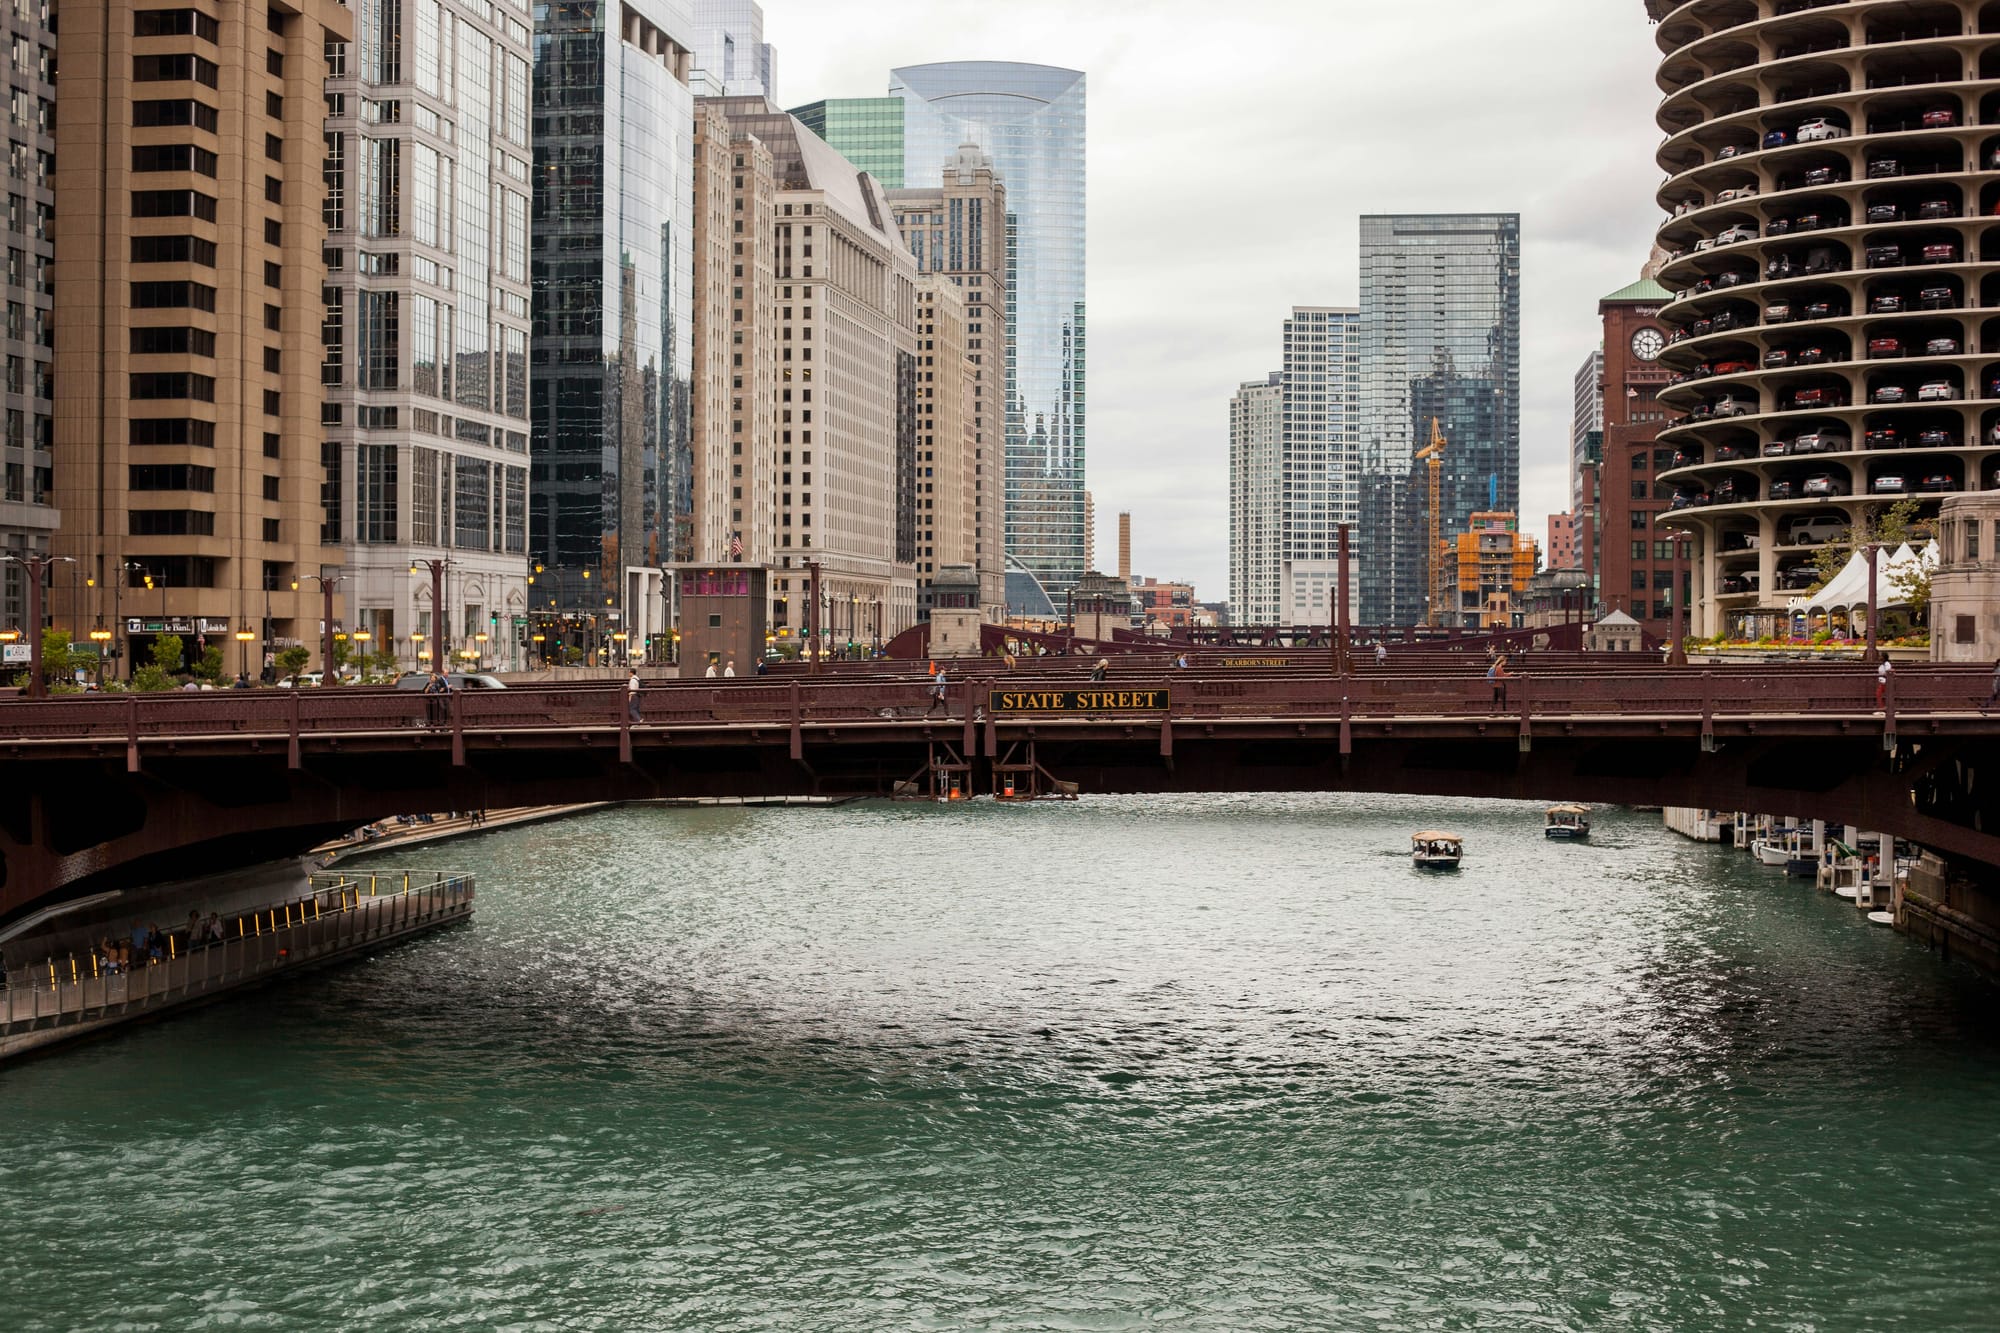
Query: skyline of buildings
[730, 51]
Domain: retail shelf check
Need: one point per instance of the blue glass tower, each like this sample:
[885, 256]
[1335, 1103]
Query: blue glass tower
[1030, 120]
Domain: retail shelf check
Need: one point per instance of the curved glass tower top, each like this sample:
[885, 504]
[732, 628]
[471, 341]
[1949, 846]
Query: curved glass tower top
[1030, 120]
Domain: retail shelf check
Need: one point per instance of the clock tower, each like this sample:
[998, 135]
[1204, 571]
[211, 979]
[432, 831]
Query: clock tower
[1634, 563]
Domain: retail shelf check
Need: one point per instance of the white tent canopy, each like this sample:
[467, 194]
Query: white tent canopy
[1848, 590]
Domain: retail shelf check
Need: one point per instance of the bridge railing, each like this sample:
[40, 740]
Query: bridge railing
[763, 701]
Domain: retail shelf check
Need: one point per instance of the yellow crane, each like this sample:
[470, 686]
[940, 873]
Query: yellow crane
[1433, 454]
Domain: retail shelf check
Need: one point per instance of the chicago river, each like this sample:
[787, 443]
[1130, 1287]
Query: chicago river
[1209, 1063]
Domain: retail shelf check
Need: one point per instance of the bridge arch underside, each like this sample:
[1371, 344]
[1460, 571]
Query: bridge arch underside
[89, 825]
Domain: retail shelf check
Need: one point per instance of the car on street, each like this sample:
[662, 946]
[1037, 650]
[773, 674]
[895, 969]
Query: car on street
[458, 680]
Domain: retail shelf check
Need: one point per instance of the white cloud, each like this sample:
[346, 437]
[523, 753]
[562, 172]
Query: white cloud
[1232, 147]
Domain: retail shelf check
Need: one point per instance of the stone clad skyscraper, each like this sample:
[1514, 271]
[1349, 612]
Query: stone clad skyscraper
[1031, 120]
[26, 515]
[1440, 338]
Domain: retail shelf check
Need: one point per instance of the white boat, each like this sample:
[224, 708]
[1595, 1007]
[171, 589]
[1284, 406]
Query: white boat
[1770, 853]
[1567, 823]
[1431, 850]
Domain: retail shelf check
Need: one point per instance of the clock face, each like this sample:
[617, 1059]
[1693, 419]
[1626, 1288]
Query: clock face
[1647, 344]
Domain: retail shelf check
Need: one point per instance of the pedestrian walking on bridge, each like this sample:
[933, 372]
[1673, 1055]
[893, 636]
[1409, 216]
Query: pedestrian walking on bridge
[632, 695]
[1882, 674]
[1993, 691]
[1497, 674]
[939, 698]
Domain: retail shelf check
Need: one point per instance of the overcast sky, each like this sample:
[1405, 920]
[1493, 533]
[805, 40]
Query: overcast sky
[1232, 148]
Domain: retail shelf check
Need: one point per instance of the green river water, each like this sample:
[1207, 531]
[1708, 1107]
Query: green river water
[1219, 1064]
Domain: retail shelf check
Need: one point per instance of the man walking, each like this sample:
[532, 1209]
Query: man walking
[632, 695]
[1882, 674]
[1993, 692]
[938, 695]
[1497, 674]
[1099, 671]
[1381, 655]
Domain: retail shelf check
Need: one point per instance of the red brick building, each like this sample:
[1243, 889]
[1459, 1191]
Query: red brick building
[1635, 563]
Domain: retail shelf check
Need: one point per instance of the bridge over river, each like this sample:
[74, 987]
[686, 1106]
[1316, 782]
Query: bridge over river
[127, 789]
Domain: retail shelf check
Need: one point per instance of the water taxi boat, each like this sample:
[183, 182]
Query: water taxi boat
[1568, 823]
[1436, 851]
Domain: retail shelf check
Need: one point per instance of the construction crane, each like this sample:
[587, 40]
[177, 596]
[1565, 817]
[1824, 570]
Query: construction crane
[1433, 454]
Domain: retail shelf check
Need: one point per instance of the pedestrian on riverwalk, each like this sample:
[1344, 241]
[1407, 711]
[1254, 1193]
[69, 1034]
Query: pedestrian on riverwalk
[1882, 674]
[940, 692]
[1497, 675]
[632, 694]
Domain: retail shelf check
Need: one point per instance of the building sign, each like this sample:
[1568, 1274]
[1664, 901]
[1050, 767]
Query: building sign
[16, 652]
[1087, 702]
[174, 625]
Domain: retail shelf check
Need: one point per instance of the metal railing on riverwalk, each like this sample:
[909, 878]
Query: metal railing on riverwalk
[341, 913]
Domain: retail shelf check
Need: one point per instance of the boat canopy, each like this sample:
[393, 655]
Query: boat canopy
[1435, 837]
[1577, 810]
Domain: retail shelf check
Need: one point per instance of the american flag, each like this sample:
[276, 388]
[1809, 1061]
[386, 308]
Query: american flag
[735, 546]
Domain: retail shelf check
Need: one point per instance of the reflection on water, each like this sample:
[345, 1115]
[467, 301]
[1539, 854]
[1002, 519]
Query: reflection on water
[1216, 1063]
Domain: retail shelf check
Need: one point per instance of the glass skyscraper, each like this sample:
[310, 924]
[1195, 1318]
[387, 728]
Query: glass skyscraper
[1030, 120]
[867, 131]
[613, 271]
[1440, 338]
[425, 331]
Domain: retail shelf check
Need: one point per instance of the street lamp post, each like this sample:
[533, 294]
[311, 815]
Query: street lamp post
[438, 636]
[38, 567]
[327, 583]
[245, 636]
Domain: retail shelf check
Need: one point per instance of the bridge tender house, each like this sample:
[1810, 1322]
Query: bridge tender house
[1079, 701]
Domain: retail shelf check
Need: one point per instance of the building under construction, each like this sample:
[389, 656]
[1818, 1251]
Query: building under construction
[1495, 564]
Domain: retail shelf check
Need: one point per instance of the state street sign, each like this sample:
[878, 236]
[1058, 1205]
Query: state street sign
[1089, 703]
